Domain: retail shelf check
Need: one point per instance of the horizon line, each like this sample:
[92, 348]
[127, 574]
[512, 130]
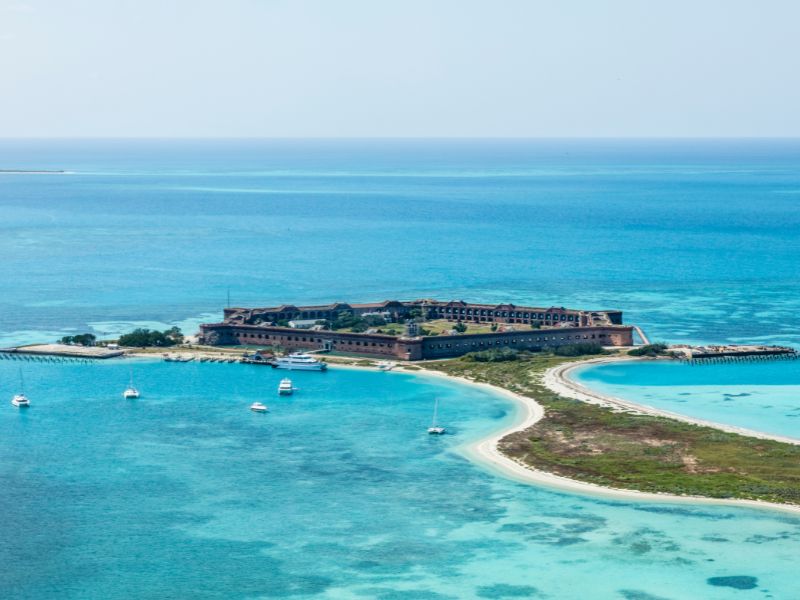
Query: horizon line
[402, 138]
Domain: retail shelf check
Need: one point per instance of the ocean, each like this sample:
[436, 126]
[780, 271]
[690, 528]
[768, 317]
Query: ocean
[338, 492]
[694, 241]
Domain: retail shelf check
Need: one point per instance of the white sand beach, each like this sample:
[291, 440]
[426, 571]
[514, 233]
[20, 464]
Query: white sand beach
[486, 453]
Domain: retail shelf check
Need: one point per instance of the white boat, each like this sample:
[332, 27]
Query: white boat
[21, 400]
[435, 429]
[285, 387]
[299, 361]
[386, 365]
[130, 393]
[258, 407]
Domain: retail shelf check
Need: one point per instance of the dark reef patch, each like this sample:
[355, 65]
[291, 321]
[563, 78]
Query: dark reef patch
[739, 582]
[639, 595]
[504, 590]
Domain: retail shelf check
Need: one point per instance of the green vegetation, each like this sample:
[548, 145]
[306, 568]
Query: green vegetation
[347, 321]
[649, 350]
[583, 349]
[639, 452]
[144, 338]
[82, 339]
[460, 327]
[494, 355]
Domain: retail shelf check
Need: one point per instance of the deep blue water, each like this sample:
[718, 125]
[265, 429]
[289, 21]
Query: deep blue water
[695, 241]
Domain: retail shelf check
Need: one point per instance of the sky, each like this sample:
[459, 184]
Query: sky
[399, 68]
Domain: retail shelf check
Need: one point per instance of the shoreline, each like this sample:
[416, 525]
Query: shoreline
[485, 453]
[557, 380]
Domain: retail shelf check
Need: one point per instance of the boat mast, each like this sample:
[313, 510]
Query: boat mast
[435, 412]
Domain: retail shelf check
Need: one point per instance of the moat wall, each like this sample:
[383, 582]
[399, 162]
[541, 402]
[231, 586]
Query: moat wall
[442, 346]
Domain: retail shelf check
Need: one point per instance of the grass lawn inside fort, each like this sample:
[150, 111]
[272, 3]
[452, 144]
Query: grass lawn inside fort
[638, 452]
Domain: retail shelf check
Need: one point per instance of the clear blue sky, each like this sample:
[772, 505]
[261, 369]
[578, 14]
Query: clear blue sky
[352, 68]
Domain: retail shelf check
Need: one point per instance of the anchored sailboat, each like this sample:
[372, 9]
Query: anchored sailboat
[130, 393]
[21, 400]
[435, 429]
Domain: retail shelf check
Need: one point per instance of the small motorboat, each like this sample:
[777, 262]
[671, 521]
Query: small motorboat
[285, 387]
[258, 407]
[21, 401]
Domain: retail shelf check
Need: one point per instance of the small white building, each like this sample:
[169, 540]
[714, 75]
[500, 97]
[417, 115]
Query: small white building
[303, 323]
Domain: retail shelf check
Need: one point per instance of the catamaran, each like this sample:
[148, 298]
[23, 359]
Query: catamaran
[285, 387]
[435, 429]
[299, 361]
[130, 393]
[21, 400]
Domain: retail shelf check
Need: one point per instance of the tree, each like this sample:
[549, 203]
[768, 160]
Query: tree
[460, 327]
[83, 339]
[143, 338]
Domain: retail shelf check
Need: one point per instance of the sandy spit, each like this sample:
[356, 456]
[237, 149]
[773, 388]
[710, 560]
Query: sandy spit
[486, 453]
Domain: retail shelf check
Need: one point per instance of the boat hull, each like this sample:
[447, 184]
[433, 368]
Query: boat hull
[301, 367]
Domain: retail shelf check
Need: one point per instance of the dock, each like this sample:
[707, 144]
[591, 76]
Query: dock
[62, 350]
[734, 352]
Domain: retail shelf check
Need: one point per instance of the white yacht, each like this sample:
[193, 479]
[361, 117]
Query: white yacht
[130, 393]
[258, 407]
[285, 387]
[299, 361]
[21, 401]
[435, 429]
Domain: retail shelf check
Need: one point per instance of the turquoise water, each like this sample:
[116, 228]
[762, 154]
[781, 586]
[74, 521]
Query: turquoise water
[337, 492]
[759, 396]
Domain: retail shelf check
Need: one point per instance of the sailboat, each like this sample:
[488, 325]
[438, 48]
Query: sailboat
[435, 429]
[21, 400]
[130, 393]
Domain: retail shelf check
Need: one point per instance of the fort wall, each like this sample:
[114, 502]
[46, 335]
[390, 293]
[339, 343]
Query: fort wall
[423, 347]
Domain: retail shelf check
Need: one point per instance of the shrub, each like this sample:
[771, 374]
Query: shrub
[649, 350]
[494, 355]
[143, 338]
[460, 327]
[581, 349]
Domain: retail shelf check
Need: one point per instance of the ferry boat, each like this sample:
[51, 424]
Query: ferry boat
[285, 387]
[258, 407]
[300, 361]
[435, 429]
[21, 401]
